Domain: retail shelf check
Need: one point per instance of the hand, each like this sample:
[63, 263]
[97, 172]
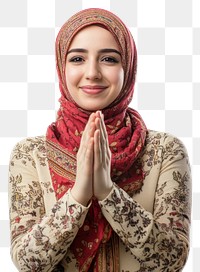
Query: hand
[102, 183]
[82, 190]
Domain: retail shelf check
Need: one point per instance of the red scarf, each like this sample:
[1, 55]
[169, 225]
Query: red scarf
[126, 133]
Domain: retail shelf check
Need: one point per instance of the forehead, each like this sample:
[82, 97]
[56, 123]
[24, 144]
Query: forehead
[91, 36]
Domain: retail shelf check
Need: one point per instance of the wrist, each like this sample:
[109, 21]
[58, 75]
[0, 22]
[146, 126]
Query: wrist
[105, 194]
[80, 197]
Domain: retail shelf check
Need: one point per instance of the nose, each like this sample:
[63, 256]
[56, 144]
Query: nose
[92, 70]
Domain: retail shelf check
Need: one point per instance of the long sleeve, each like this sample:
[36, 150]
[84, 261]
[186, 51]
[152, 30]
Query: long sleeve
[39, 240]
[158, 240]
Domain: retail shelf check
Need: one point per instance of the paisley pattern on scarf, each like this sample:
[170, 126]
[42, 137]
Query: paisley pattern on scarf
[126, 131]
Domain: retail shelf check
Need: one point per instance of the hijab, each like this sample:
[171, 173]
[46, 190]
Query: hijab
[126, 134]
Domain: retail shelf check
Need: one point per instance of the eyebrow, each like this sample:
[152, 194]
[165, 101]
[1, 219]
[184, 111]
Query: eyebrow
[104, 50]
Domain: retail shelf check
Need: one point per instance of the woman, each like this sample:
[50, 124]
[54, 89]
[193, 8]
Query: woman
[99, 192]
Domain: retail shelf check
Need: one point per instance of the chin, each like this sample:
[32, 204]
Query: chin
[92, 107]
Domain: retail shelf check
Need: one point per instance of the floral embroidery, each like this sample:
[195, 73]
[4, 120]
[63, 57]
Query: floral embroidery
[157, 241]
[43, 240]
[23, 149]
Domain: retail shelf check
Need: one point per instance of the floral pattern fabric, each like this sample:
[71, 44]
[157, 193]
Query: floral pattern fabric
[151, 225]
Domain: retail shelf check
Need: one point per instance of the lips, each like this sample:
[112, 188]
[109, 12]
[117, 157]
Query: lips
[96, 89]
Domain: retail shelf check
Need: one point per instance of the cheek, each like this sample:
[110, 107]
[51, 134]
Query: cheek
[117, 78]
[121, 76]
[72, 76]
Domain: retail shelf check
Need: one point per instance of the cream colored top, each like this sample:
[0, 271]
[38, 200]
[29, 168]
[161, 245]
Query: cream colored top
[153, 229]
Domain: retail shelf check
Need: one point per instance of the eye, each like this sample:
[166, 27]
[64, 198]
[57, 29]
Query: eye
[110, 59]
[76, 59]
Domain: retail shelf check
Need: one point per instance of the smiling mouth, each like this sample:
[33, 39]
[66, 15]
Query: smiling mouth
[93, 89]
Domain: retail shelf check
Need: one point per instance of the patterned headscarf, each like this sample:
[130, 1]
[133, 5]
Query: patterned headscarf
[126, 133]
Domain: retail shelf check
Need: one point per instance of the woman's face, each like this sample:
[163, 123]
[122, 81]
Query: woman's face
[94, 73]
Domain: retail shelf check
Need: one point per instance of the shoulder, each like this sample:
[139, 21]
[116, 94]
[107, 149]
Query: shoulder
[168, 144]
[28, 148]
[163, 138]
[163, 151]
[30, 144]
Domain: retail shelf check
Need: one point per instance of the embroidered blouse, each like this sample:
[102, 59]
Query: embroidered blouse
[153, 225]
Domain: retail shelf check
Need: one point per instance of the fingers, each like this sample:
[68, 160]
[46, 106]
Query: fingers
[89, 152]
[95, 135]
[83, 188]
[102, 152]
[87, 134]
[102, 183]
[87, 131]
[104, 137]
[97, 150]
[103, 126]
